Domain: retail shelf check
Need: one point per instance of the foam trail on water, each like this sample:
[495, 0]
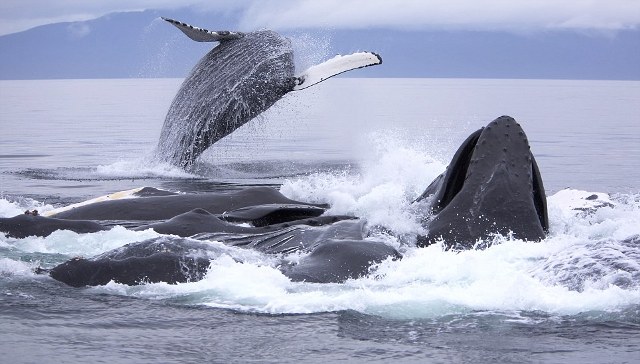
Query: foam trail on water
[427, 283]
[69, 243]
[145, 167]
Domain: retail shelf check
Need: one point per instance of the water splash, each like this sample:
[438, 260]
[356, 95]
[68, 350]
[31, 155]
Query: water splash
[589, 263]
[310, 49]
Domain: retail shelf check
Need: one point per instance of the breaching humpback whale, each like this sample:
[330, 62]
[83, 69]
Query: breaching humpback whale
[492, 186]
[236, 81]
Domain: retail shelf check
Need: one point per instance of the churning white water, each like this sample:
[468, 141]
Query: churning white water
[368, 155]
[589, 261]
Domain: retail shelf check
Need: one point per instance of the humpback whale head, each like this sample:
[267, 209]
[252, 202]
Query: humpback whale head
[492, 186]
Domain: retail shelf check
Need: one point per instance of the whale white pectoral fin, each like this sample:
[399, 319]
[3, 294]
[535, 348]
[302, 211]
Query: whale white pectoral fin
[204, 35]
[112, 196]
[335, 66]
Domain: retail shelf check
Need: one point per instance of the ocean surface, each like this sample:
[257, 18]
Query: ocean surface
[368, 147]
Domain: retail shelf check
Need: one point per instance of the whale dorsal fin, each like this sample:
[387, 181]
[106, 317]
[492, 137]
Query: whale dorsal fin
[335, 66]
[204, 35]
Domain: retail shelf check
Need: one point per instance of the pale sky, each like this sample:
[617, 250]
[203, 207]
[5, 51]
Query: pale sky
[509, 15]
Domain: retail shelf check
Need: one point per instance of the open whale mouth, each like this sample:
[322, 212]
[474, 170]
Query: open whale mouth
[492, 185]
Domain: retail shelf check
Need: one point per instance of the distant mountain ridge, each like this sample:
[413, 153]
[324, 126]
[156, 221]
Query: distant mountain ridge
[138, 44]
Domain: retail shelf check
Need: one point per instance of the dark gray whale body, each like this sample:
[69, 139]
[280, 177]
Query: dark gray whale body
[157, 260]
[176, 260]
[339, 260]
[21, 226]
[232, 84]
[199, 221]
[168, 206]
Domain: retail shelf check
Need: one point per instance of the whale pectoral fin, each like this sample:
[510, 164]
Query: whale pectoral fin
[204, 35]
[132, 193]
[335, 66]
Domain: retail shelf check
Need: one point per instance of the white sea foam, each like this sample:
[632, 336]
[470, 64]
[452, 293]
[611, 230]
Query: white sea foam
[73, 244]
[425, 283]
[10, 208]
[144, 167]
[391, 177]
[10, 267]
[589, 262]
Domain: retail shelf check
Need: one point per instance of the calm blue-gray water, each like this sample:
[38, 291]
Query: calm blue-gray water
[368, 147]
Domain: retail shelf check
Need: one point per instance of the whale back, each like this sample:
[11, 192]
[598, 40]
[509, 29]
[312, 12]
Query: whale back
[230, 85]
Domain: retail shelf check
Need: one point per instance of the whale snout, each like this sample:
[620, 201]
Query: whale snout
[492, 186]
